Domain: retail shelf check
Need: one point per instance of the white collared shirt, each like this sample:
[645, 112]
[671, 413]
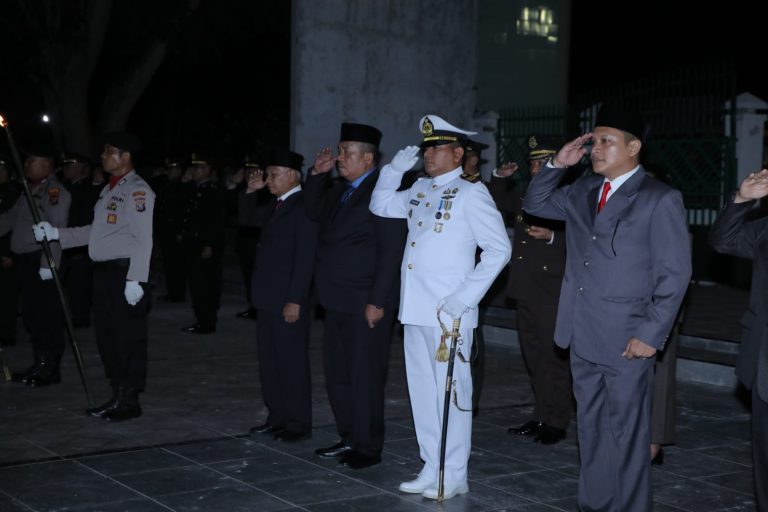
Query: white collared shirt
[289, 193]
[616, 183]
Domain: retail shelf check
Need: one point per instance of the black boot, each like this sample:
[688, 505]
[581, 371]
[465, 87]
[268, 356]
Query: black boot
[99, 411]
[47, 372]
[125, 408]
[22, 377]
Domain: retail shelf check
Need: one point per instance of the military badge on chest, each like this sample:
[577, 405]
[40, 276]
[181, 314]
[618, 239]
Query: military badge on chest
[443, 208]
[53, 196]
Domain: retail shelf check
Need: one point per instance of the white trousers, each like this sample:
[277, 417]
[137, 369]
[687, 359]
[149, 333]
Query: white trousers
[426, 387]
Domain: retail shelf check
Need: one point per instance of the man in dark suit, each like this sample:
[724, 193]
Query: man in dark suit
[281, 278]
[627, 270]
[535, 274]
[358, 259]
[202, 238]
[732, 235]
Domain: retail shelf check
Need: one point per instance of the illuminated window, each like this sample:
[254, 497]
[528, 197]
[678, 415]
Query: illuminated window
[538, 22]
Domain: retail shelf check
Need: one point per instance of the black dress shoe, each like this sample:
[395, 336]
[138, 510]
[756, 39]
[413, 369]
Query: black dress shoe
[357, 460]
[126, 406]
[266, 429]
[100, 410]
[336, 450]
[658, 459]
[22, 377]
[44, 377]
[287, 436]
[549, 435]
[248, 314]
[191, 328]
[530, 428]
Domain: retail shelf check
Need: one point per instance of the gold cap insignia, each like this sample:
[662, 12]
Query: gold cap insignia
[427, 127]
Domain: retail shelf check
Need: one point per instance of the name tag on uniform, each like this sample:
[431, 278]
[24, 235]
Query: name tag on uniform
[111, 218]
[414, 202]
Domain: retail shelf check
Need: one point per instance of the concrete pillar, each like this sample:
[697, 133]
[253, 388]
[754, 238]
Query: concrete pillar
[379, 62]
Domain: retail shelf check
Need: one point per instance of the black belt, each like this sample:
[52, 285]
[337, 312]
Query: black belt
[120, 262]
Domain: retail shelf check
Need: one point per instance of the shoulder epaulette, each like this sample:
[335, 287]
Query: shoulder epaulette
[472, 178]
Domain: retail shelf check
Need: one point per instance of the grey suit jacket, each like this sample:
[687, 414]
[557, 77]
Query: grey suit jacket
[627, 268]
[730, 234]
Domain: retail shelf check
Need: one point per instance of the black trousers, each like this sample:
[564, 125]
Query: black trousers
[40, 307]
[760, 447]
[9, 301]
[246, 252]
[356, 359]
[477, 364]
[120, 329]
[284, 369]
[78, 279]
[174, 267]
[204, 286]
[547, 364]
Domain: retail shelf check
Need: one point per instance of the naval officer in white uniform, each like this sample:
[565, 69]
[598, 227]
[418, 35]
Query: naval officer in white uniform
[450, 214]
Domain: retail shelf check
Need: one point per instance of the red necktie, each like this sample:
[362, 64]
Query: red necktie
[604, 197]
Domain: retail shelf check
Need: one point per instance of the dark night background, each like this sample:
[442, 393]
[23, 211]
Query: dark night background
[224, 86]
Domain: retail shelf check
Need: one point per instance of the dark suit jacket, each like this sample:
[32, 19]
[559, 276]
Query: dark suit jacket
[358, 253]
[536, 268]
[730, 234]
[627, 268]
[285, 255]
[204, 217]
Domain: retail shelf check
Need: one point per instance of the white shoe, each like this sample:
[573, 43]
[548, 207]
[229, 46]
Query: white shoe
[418, 486]
[450, 490]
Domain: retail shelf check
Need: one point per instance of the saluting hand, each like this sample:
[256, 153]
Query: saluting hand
[755, 186]
[373, 315]
[291, 312]
[256, 181]
[636, 349]
[324, 161]
[572, 152]
[507, 170]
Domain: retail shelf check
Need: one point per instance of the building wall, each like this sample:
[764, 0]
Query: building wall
[379, 62]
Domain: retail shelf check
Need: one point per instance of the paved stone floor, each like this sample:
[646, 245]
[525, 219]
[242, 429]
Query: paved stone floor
[191, 452]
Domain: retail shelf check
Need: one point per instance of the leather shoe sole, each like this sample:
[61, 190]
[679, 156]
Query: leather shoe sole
[549, 435]
[266, 429]
[449, 491]
[530, 428]
[356, 460]
[286, 436]
[334, 451]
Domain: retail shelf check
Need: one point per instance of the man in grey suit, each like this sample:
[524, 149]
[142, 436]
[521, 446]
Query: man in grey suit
[732, 235]
[627, 269]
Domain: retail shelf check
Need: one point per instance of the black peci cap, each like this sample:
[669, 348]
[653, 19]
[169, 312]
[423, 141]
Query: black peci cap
[285, 158]
[624, 119]
[123, 141]
[354, 132]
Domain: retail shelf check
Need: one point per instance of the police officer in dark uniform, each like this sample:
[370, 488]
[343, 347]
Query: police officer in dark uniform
[10, 191]
[202, 237]
[172, 195]
[282, 274]
[40, 305]
[120, 245]
[76, 171]
[535, 274]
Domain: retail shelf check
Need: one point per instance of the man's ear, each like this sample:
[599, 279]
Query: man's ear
[634, 147]
[458, 155]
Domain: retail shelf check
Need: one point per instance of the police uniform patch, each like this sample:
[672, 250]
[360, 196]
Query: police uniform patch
[140, 203]
[139, 193]
[112, 206]
[53, 195]
[111, 218]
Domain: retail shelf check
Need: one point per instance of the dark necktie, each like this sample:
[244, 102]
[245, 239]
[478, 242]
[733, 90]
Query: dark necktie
[347, 192]
[604, 196]
[278, 204]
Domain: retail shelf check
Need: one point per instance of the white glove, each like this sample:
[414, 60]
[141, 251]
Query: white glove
[45, 230]
[452, 306]
[133, 292]
[405, 159]
[45, 274]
